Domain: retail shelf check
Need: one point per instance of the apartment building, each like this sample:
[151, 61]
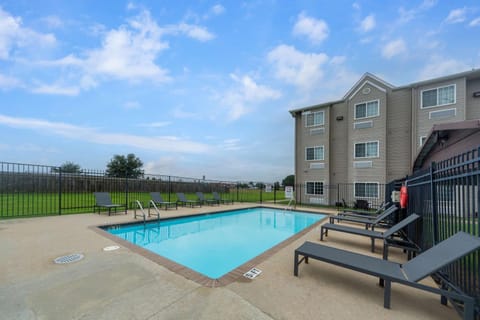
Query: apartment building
[373, 134]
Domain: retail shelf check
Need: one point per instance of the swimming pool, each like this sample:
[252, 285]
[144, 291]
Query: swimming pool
[215, 244]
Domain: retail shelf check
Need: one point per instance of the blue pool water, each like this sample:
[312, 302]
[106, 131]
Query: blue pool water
[215, 244]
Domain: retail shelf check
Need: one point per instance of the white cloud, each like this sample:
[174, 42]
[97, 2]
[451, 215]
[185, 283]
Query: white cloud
[440, 66]
[457, 15]
[193, 31]
[159, 124]
[55, 89]
[408, 15]
[475, 22]
[316, 30]
[394, 48]
[52, 21]
[7, 82]
[132, 105]
[244, 95]
[13, 35]
[303, 70]
[368, 23]
[217, 9]
[153, 143]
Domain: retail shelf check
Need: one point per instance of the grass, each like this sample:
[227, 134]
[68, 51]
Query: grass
[23, 204]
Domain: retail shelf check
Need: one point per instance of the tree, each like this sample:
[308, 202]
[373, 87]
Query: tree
[68, 167]
[289, 180]
[276, 185]
[121, 166]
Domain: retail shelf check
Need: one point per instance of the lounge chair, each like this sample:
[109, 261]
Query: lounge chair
[158, 201]
[427, 263]
[367, 221]
[372, 234]
[364, 214]
[217, 197]
[103, 200]
[182, 200]
[203, 200]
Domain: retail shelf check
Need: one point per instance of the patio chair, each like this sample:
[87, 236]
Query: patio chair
[158, 201]
[103, 200]
[372, 234]
[409, 274]
[363, 213]
[182, 200]
[217, 197]
[367, 221]
[203, 200]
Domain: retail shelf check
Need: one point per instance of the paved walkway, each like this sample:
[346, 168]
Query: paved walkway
[124, 285]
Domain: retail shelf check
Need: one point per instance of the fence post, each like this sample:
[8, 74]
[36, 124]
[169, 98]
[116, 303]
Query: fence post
[261, 189]
[169, 187]
[126, 191]
[59, 191]
[274, 194]
[433, 194]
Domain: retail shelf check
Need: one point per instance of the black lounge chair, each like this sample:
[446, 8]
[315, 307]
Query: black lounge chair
[372, 234]
[158, 201]
[182, 200]
[203, 200]
[217, 197]
[364, 214]
[426, 264]
[367, 221]
[103, 200]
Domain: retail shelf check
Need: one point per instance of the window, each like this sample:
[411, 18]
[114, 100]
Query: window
[314, 119]
[367, 109]
[422, 140]
[438, 96]
[315, 188]
[366, 149]
[314, 153]
[366, 190]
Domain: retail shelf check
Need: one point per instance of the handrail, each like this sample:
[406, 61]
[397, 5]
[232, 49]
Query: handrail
[157, 212]
[142, 214]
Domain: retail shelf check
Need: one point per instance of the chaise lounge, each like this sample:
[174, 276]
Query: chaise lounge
[217, 197]
[182, 200]
[427, 263]
[367, 221]
[372, 234]
[103, 200]
[158, 201]
[203, 200]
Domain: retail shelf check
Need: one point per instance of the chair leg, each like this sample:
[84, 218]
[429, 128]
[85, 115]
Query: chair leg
[386, 294]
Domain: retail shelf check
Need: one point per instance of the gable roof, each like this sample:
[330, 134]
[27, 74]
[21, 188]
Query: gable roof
[361, 81]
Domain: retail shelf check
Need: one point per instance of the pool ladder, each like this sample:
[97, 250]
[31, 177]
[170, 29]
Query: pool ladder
[291, 204]
[142, 213]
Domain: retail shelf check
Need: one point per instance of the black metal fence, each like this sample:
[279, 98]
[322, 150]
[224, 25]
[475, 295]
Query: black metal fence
[447, 196]
[36, 190]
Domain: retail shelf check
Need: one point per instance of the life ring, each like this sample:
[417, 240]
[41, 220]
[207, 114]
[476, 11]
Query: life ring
[403, 197]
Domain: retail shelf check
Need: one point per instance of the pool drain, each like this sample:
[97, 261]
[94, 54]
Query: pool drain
[69, 258]
[111, 248]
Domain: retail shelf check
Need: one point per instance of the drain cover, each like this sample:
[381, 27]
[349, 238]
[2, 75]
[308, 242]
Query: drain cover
[69, 258]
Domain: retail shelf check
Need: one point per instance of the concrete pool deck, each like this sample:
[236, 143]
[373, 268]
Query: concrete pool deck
[122, 284]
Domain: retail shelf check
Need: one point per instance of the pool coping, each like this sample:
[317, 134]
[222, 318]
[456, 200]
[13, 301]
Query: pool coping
[232, 276]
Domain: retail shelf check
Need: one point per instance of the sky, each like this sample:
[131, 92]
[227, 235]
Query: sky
[203, 88]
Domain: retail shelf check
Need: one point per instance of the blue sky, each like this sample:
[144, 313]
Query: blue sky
[203, 88]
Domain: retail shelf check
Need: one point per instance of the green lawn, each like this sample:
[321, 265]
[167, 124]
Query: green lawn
[40, 204]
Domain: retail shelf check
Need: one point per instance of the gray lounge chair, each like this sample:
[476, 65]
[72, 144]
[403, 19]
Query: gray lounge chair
[367, 221]
[158, 200]
[364, 214]
[372, 234]
[182, 200]
[103, 200]
[427, 263]
[217, 197]
[203, 200]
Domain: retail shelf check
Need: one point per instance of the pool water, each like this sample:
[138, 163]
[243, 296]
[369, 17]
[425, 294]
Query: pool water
[216, 244]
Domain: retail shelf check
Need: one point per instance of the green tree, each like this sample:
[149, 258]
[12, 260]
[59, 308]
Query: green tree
[289, 180]
[68, 167]
[121, 166]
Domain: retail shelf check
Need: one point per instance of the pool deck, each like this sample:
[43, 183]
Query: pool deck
[123, 284]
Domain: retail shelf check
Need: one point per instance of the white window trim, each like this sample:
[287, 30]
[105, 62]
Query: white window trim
[430, 113]
[365, 142]
[314, 125]
[420, 140]
[439, 105]
[312, 194]
[323, 158]
[365, 102]
[365, 182]
[362, 122]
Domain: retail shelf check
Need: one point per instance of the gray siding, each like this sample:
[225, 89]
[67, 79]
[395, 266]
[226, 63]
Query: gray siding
[399, 115]
[473, 104]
